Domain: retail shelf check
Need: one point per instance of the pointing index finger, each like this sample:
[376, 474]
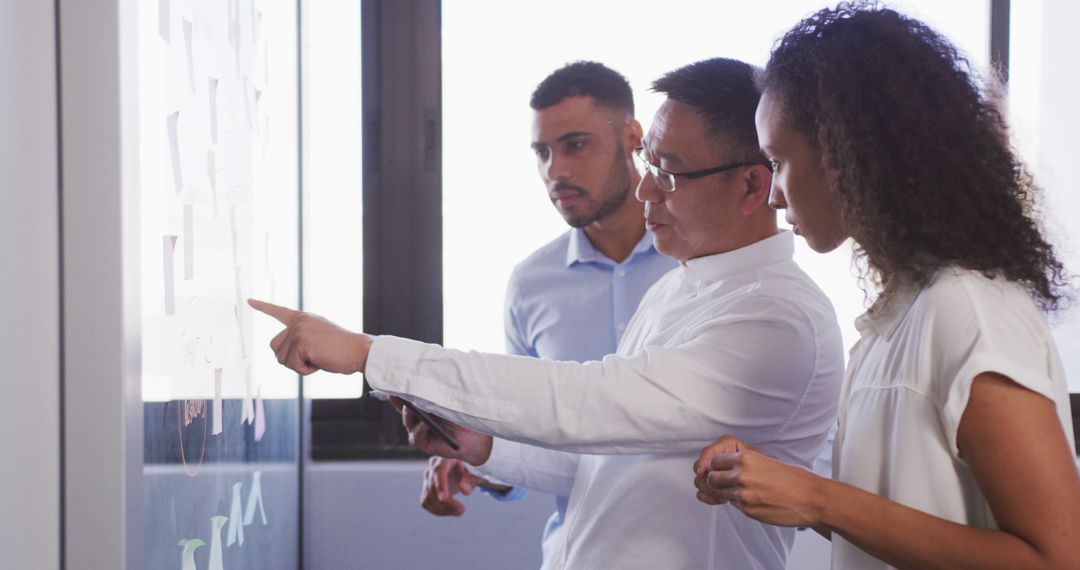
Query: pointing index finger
[284, 315]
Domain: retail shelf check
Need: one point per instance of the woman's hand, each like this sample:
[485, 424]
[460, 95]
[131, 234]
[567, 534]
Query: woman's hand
[730, 471]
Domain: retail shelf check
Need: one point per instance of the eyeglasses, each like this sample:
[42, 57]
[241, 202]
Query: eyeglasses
[665, 180]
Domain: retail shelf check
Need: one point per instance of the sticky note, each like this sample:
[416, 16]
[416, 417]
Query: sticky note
[163, 20]
[236, 517]
[255, 500]
[218, 423]
[216, 559]
[187, 555]
[168, 249]
[174, 149]
[213, 110]
[190, 59]
[260, 416]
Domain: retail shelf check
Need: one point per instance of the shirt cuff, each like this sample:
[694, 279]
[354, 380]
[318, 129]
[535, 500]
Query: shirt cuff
[516, 493]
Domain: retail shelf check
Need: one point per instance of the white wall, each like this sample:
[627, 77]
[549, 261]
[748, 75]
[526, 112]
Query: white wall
[29, 288]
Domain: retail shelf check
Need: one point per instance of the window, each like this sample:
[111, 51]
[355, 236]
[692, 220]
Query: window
[332, 204]
[1045, 120]
[496, 214]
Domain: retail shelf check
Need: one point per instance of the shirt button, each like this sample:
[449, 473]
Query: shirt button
[621, 273]
[620, 327]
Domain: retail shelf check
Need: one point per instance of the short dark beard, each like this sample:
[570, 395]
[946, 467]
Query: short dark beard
[619, 177]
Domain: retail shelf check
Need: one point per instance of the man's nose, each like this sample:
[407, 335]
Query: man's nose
[558, 169]
[647, 190]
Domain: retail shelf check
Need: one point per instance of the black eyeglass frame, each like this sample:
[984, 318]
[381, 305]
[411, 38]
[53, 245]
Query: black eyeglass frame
[639, 153]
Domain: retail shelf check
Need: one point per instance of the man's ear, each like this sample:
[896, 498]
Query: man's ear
[758, 181]
[633, 134]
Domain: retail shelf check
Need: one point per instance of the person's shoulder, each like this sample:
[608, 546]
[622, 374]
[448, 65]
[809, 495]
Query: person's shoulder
[789, 285]
[543, 264]
[958, 303]
[956, 291]
[551, 254]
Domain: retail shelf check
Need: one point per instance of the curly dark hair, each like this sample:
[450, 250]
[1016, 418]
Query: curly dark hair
[917, 153]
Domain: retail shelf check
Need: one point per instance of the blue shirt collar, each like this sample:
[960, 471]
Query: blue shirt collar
[581, 250]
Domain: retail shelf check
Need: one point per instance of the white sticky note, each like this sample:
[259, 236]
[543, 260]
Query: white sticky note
[174, 150]
[168, 253]
[188, 52]
[236, 517]
[189, 241]
[216, 559]
[218, 407]
[163, 19]
[247, 407]
[255, 500]
[213, 110]
[260, 416]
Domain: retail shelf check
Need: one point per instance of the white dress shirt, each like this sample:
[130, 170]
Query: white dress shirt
[742, 343]
[908, 384]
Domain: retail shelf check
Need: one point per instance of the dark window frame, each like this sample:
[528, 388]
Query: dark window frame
[401, 47]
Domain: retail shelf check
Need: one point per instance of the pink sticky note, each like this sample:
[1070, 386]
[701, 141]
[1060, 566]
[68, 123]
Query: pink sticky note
[218, 423]
[260, 416]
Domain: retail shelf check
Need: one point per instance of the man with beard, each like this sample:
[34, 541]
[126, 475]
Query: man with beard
[572, 298]
[737, 340]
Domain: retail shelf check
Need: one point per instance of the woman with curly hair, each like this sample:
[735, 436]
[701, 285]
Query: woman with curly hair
[954, 446]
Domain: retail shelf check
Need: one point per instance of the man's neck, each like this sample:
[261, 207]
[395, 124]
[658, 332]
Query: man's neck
[618, 233]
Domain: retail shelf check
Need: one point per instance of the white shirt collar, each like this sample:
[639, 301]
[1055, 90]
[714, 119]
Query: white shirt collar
[773, 249]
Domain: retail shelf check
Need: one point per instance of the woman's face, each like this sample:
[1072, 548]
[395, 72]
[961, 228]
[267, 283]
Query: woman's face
[799, 185]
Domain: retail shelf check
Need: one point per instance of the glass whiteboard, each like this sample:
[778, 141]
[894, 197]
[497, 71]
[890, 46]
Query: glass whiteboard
[219, 214]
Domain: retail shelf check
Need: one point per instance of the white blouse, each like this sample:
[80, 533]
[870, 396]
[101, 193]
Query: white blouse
[907, 385]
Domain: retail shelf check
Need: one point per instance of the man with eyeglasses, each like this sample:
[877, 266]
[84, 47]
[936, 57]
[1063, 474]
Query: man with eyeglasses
[571, 299]
[736, 340]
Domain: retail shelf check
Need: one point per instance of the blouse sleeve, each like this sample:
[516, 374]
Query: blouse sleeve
[981, 325]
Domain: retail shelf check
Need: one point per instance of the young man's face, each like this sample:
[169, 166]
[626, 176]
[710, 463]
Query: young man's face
[583, 157]
[799, 185]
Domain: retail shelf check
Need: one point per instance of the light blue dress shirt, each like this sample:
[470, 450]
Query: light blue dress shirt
[568, 301]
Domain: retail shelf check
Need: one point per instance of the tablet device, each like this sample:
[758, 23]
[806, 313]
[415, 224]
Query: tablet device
[424, 417]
